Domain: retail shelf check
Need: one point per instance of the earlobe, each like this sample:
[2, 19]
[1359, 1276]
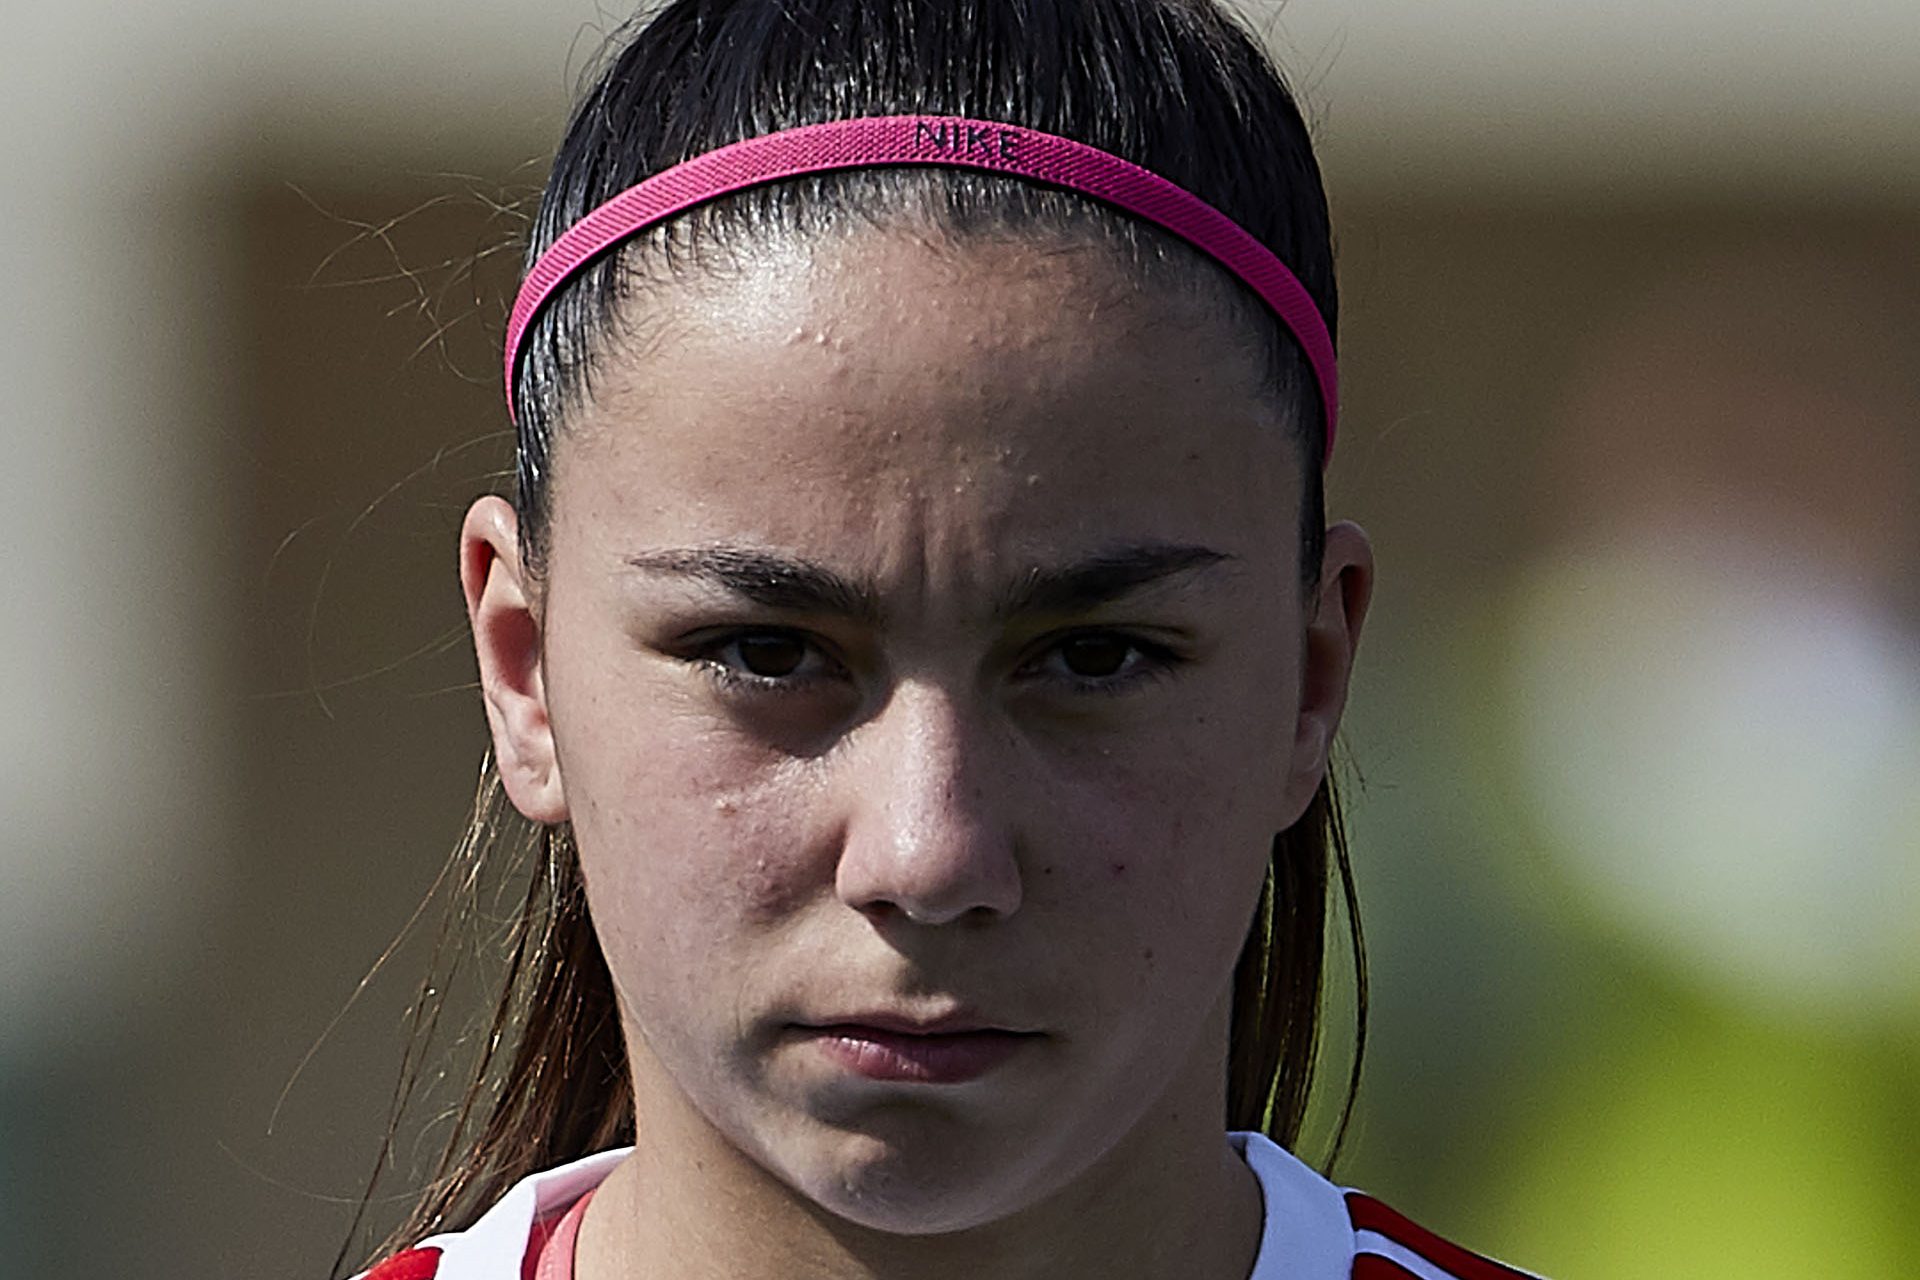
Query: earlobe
[1332, 635]
[507, 645]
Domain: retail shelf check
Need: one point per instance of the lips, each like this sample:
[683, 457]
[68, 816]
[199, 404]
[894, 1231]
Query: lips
[953, 1022]
[945, 1050]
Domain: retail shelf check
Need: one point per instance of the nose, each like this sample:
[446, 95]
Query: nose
[928, 835]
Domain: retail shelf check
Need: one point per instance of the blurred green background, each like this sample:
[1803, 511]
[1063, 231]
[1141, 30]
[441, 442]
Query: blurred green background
[1631, 303]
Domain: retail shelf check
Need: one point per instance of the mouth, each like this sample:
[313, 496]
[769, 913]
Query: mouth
[950, 1050]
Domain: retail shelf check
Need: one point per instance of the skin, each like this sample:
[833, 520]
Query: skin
[1057, 816]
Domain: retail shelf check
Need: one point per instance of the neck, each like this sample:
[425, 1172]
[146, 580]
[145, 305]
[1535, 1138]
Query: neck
[1171, 1200]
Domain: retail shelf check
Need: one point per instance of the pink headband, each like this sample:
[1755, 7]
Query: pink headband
[950, 141]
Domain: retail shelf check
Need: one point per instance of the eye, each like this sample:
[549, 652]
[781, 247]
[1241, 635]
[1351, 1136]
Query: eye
[764, 660]
[1104, 661]
[1095, 657]
[770, 655]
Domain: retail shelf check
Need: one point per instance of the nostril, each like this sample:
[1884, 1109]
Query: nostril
[883, 911]
[880, 911]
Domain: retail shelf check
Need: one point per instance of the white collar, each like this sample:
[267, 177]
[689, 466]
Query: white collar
[492, 1248]
[1307, 1234]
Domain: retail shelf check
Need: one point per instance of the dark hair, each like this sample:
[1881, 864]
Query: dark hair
[1174, 85]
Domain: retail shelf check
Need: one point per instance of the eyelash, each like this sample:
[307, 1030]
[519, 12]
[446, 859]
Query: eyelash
[733, 679]
[1155, 662]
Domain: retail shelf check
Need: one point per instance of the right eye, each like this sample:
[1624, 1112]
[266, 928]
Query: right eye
[770, 655]
[763, 660]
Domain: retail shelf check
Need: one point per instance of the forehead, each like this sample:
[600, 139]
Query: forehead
[981, 390]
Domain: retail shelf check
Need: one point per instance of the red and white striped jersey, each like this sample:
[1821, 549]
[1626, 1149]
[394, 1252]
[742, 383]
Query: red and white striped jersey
[1314, 1230]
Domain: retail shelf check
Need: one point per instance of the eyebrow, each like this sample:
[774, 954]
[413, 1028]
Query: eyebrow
[1103, 578]
[769, 580]
[793, 585]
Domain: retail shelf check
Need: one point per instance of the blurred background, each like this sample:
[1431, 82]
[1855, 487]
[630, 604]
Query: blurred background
[1632, 343]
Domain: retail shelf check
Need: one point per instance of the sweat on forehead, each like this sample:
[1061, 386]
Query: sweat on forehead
[1035, 403]
[1015, 299]
[933, 418]
[927, 347]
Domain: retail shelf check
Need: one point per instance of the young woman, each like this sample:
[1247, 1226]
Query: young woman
[918, 639]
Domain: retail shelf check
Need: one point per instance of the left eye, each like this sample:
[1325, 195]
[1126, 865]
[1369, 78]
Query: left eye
[1104, 660]
[1096, 657]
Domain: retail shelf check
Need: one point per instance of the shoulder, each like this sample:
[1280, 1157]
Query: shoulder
[414, 1264]
[1319, 1230]
[494, 1247]
[1388, 1246]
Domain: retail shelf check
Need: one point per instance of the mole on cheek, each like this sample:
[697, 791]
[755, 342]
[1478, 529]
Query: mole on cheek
[1119, 869]
[762, 893]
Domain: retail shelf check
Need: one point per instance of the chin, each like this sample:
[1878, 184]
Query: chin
[918, 1184]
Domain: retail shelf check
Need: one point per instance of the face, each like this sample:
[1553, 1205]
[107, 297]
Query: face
[921, 641]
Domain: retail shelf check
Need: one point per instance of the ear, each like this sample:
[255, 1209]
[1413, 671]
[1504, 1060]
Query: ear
[507, 642]
[1336, 613]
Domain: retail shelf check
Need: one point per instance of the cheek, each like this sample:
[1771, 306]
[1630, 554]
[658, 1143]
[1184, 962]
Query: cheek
[697, 855]
[1156, 855]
